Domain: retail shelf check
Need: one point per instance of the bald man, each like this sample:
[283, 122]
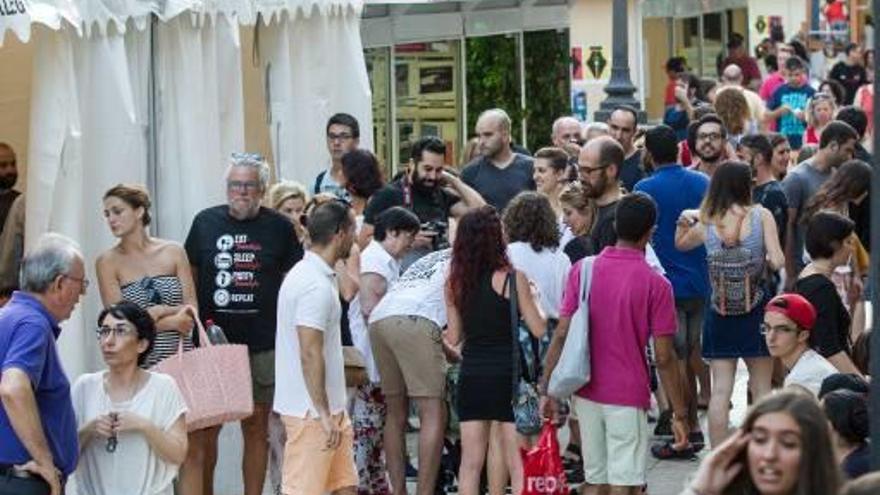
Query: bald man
[498, 173]
[565, 130]
[732, 78]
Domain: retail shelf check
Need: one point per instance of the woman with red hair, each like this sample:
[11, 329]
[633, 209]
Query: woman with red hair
[478, 306]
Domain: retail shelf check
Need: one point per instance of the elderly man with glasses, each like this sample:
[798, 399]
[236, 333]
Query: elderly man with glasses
[37, 423]
[788, 323]
[239, 253]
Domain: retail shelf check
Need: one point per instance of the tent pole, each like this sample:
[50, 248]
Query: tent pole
[152, 123]
[875, 270]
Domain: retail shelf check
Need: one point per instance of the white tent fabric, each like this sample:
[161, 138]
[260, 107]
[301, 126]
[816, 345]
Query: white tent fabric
[308, 82]
[88, 118]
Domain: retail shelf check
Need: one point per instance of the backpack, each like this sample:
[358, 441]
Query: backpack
[735, 277]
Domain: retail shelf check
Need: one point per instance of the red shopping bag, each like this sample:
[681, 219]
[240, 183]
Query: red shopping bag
[542, 466]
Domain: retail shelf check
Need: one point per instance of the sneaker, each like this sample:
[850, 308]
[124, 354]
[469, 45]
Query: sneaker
[664, 425]
[697, 440]
[664, 451]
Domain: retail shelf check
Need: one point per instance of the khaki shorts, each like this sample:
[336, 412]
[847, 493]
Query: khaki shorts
[409, 354]
[614, 443]
[309, 468]
[263, 376]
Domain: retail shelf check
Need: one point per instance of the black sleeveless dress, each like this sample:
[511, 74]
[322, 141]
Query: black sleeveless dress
[485, 381]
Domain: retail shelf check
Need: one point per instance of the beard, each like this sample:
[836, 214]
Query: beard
[422, 186]
[7, 181]
[711, 158]
[594, 191]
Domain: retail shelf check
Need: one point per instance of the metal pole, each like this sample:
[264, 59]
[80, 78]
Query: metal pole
[875, 270]
[521, 57]
[620, 89]
[153, 121]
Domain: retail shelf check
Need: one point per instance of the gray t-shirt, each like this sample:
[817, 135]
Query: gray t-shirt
[499, 185]
[800, 185]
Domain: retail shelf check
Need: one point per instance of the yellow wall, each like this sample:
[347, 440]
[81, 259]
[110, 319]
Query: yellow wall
[591, 25]
[657, 52]
[15, 98]
[256, 129]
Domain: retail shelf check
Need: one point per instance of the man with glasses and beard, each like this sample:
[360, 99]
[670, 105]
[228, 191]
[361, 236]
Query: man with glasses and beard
[428, 190]
[707, 138]
[239, 253]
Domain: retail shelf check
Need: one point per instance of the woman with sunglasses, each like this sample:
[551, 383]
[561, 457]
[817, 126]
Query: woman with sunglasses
[131, 422]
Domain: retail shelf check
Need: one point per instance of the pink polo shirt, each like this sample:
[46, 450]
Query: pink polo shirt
[629, 302]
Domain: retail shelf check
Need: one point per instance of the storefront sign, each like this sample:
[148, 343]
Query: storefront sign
[12, 7]
[597, 62]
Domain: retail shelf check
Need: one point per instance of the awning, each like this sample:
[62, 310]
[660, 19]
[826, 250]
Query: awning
[89, 16]
[688, 8]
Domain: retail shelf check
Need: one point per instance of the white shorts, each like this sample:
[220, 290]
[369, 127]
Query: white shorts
[614, 443]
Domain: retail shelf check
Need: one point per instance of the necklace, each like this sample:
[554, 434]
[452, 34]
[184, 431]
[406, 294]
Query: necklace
[113, 440]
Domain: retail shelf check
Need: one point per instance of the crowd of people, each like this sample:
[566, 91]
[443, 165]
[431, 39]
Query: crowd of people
[736, 230]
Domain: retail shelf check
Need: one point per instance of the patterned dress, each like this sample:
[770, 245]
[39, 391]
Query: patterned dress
[151, 291]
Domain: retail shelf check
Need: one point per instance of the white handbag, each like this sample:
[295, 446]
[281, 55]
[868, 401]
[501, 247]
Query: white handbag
[572, 371]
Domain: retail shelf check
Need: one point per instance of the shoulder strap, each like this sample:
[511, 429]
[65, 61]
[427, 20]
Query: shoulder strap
[514, 332]
[736, 239]
[318, 180]
[586, 278]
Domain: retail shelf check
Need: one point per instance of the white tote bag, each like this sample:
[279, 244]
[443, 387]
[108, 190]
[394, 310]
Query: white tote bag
[573, 368]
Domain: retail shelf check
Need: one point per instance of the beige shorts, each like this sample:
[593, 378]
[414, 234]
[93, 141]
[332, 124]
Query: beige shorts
[409, 354]
[614, 443]
[263, 376]
[309, 468]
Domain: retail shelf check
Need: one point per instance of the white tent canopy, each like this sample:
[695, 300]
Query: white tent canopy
[150, 91]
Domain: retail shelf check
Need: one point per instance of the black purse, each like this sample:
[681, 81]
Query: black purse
[526, 401]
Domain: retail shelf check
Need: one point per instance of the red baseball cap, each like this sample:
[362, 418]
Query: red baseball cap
[794, 307]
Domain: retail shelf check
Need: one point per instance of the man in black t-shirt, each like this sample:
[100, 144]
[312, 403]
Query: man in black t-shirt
[599, 165]
[623, 124]
[849, 72]
[430, 192]
[239, 253]
[498, 174]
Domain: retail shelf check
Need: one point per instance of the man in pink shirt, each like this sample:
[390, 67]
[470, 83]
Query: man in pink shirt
[629, 303]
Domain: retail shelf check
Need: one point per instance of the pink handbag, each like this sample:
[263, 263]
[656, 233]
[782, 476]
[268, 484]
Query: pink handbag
[215, 380]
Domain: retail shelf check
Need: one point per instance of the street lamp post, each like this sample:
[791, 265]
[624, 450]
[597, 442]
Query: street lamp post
[620, 88]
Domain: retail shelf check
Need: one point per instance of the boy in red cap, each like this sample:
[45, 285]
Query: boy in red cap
[788, 321]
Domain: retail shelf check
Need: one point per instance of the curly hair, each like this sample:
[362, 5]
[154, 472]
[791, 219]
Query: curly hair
[530, 218]
[733, 109]
[134, 195]
[362, 174]
[479, 248]
[851, 180]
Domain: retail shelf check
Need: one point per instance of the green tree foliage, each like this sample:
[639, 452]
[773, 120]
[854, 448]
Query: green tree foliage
[548, 86]
[493, 79]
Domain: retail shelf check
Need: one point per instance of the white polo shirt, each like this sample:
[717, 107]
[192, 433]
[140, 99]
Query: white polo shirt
[309, 297]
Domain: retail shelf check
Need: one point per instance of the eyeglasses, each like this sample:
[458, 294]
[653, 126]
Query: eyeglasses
[118, 331]
[83, 281]
[766, 329]
[590, 170]
[709, 136]
[339, 137]
[247, 186]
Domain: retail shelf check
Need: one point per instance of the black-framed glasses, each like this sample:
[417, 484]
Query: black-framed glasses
[709, 136]
[246, 186]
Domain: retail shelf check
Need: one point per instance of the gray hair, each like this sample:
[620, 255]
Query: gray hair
[498, 115]
[252, 161]
[558, 123]
[52, 256]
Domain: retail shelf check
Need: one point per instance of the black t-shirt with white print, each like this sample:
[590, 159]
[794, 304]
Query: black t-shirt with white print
[240, 266]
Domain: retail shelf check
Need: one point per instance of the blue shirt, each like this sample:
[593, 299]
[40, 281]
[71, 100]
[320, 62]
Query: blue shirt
[676, 189]
[788, 124]
[27, 343]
